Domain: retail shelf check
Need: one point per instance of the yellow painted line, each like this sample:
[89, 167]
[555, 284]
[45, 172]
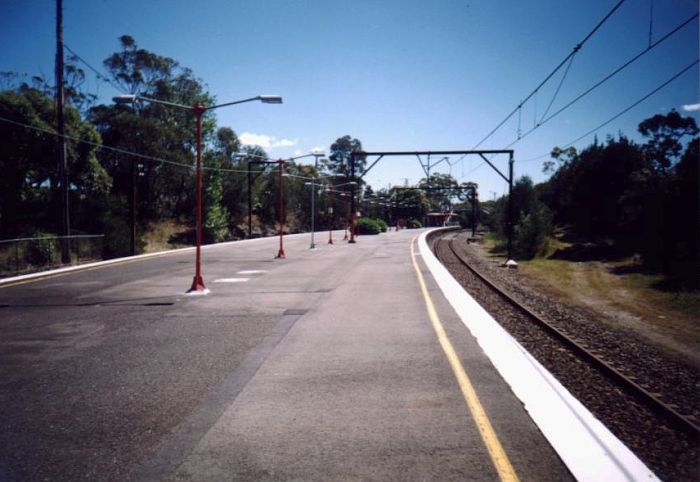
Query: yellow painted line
[488, 434]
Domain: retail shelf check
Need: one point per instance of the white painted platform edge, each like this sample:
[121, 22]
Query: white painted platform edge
[589, 450]
[68, 269]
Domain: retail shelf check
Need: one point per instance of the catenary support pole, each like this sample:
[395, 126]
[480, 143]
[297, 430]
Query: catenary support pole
[511, 207]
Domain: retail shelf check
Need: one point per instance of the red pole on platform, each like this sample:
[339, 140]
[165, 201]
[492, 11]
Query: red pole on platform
[198, 282]
[281, 254]
[347, 219]
[330, 213]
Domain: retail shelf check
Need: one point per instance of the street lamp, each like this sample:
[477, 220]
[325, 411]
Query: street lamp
[198, 109]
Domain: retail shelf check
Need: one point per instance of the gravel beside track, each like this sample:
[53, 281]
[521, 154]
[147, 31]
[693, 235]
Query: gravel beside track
[672, 454]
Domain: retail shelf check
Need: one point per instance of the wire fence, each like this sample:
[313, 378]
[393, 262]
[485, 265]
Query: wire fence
[30, 255]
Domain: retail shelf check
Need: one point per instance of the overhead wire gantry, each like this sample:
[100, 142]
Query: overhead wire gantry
[482, 153]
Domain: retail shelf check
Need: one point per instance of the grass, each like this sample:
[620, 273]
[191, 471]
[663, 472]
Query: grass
[159, 235]
[615, 289]
[623, 295]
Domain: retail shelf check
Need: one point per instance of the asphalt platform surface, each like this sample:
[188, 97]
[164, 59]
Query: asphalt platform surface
[320, 366]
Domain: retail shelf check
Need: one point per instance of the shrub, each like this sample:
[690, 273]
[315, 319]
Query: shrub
[41, 251]
[531, 233]
[414, 223]
[367, 226]
[382, 225]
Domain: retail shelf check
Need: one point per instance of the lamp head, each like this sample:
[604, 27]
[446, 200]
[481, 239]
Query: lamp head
[270, 99]
[124, 99]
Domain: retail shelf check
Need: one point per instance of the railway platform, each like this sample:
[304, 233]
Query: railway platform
[345, 362]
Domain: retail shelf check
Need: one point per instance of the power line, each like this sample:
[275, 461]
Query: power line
[556, 92]
[624, 111]
[118, 150]
[99, 75]
[605, 79]
[678, 74]
[551, 74]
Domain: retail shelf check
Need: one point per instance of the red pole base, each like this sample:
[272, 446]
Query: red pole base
[198, 286]
[281, 254]
[330, 241]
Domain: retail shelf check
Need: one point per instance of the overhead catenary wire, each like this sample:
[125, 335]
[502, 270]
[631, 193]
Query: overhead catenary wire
[624, 111]
[551, 74]
[605, 79]
[556, 92]
[635, 104]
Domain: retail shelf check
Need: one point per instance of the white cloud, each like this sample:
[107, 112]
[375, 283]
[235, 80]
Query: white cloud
[691, 107]
[265, 141]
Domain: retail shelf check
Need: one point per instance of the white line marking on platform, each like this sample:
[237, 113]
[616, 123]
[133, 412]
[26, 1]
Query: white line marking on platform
[231, 280]
[252, 271]
[585, 445]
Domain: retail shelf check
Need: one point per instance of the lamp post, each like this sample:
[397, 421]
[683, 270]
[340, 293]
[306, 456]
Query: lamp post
[316, 154]
[313, 197]
[330, 212]
[332, 189]
[198, 109]
[280, 253]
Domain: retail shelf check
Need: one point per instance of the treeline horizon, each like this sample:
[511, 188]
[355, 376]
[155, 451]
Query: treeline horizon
[636, 198]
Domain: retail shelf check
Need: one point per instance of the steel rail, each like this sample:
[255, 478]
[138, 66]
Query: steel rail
[672, 415]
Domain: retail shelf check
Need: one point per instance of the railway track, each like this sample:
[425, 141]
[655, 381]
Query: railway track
[617, 398]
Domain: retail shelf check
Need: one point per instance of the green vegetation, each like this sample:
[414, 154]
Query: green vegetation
[368, 226]
[611, 201]
[624, 291]
[104, 180]
[616, 200]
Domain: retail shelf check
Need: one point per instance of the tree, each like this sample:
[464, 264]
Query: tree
[584, 192]
[560, 157]
[664, 134]
[338, 162]
[683, 255]
[408, 204]
[216, 216]
[440, 189]
[166, 189]
[137, 70]
[28, 163]
[533, 219]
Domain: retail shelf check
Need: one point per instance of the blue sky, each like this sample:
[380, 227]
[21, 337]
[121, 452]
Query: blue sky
[396, 74]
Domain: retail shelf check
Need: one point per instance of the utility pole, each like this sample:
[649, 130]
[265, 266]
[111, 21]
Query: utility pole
[62, 164]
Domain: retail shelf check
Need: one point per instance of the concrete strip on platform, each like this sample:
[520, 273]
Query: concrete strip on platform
[587, 447]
